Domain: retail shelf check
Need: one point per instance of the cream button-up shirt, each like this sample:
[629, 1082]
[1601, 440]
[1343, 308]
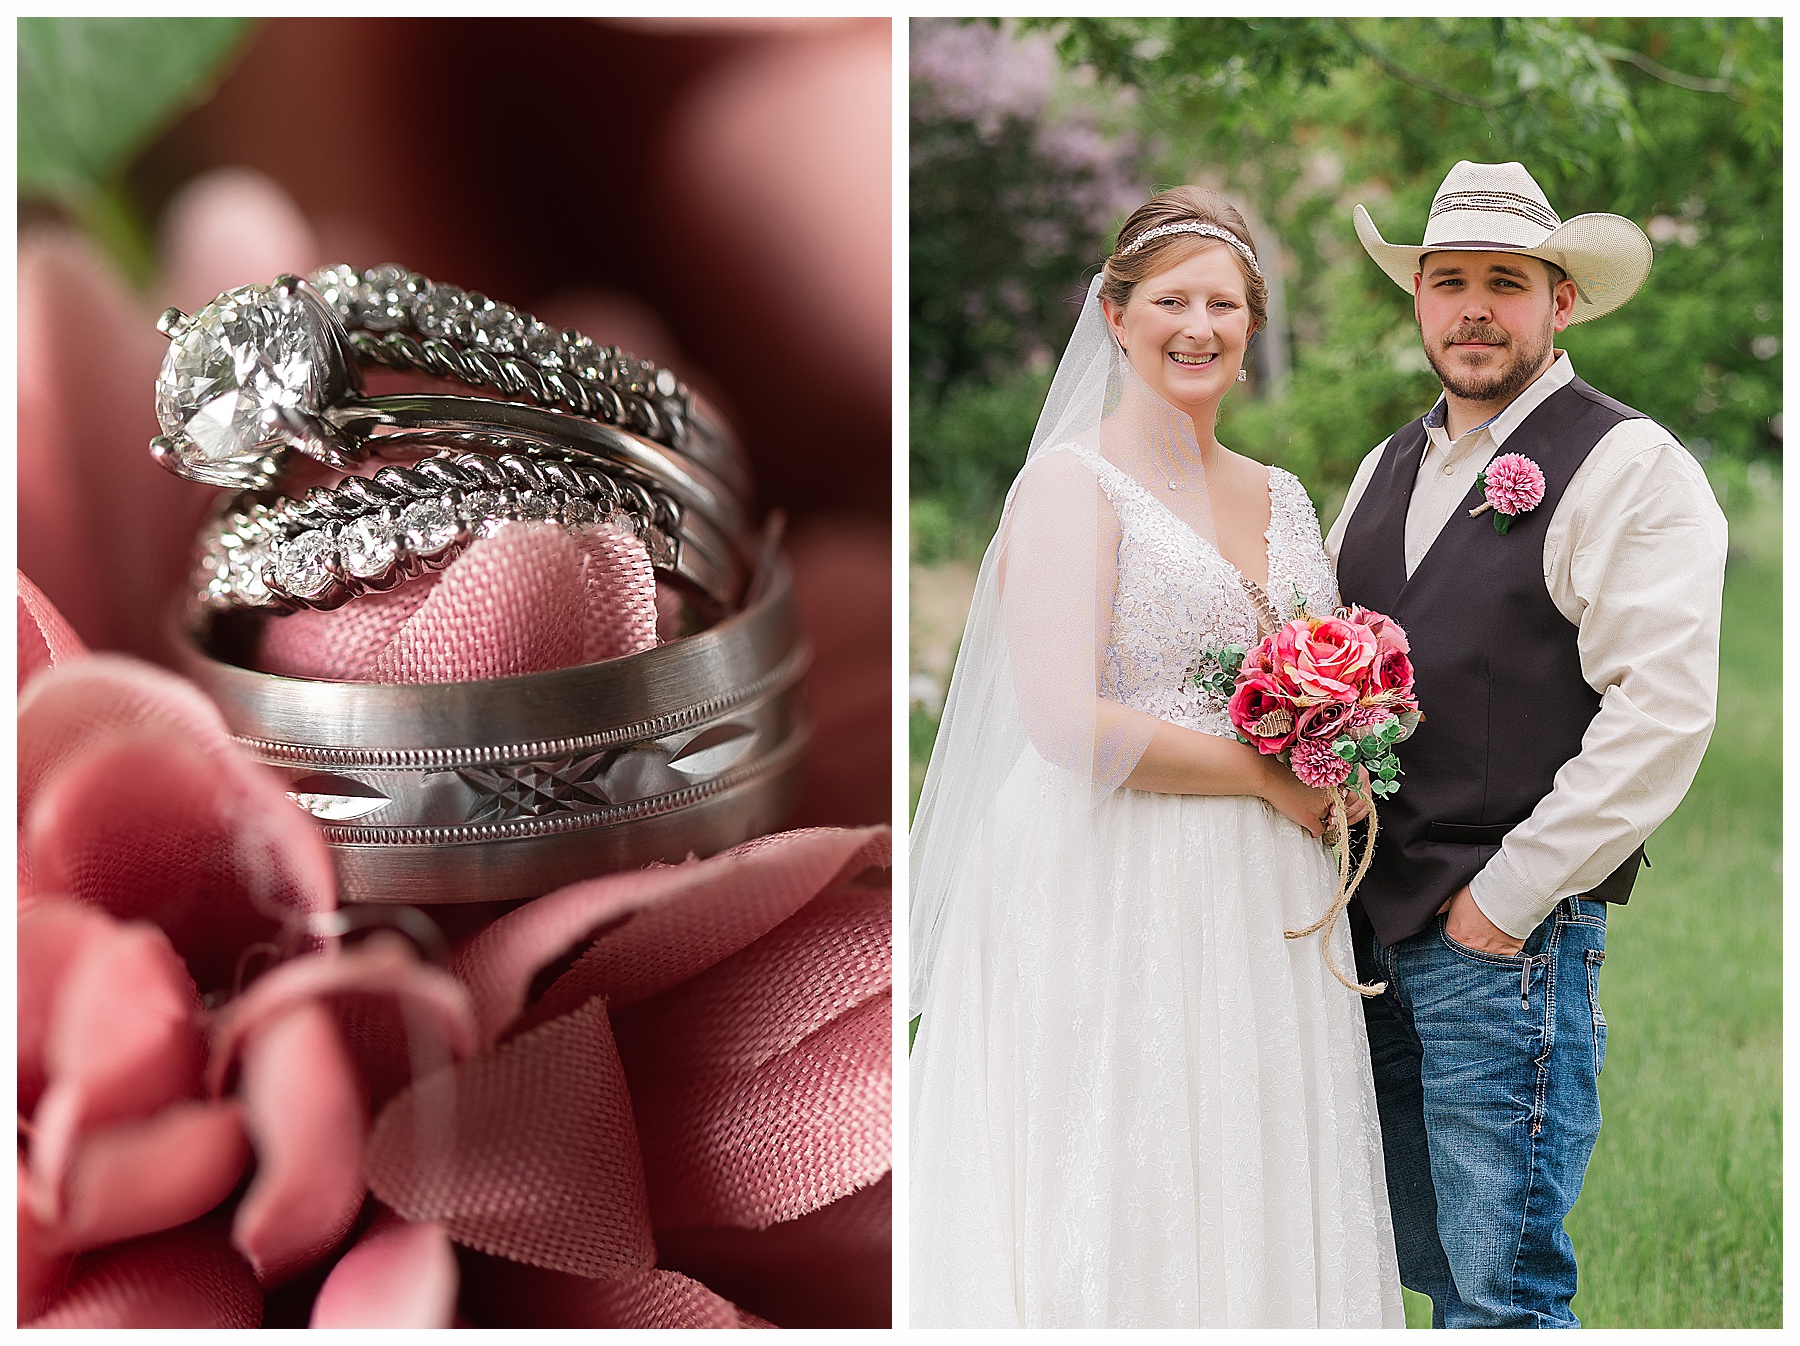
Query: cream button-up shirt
[1634, 557]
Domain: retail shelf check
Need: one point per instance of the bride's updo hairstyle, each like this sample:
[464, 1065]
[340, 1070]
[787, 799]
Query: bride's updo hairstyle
[1175, 206]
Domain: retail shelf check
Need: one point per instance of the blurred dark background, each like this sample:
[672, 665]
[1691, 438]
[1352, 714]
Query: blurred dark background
[734, 179]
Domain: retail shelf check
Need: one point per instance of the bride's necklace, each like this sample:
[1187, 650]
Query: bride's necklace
[1175, 483]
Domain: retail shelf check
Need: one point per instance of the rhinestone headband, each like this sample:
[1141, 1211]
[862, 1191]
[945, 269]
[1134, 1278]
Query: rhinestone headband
[1193, 227]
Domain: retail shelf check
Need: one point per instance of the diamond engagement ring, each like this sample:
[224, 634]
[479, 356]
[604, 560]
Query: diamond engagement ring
[512, 787]
[280, 554]
[266, 372]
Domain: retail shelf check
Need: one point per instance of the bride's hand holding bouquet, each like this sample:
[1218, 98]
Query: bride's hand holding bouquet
[1331, 698]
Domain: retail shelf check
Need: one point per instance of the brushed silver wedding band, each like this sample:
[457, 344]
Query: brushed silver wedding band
[509, 788]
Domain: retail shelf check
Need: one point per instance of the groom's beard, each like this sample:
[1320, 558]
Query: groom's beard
[1511, 371]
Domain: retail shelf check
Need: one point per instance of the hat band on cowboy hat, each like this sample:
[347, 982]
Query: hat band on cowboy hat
[1500, 208]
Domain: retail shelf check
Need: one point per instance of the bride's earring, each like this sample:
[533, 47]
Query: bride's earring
[1242, 376]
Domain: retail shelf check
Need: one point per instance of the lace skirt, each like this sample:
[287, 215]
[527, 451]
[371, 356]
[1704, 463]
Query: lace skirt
[1134, 1103]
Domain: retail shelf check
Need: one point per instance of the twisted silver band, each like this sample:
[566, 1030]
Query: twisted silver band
[402, 320]
[364, 535]
[512, 787]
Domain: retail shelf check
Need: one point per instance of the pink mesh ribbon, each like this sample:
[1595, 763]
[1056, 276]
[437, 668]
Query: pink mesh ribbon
[45, 638]
[755, 1090]
[528, 1152]
[188, 1277]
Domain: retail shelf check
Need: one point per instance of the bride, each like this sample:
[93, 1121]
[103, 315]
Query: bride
[1134, 1102]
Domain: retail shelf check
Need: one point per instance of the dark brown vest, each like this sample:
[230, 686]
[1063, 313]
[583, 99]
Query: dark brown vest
[1496, 666]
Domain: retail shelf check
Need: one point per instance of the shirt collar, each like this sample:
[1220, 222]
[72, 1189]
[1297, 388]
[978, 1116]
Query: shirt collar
[1501, 425]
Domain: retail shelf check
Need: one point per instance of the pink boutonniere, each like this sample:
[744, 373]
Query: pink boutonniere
[1512, 485]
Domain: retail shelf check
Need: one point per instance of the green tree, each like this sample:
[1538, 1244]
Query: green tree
[1675, 123]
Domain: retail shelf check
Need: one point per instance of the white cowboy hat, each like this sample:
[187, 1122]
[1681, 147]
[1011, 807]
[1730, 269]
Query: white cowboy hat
[1499, 208]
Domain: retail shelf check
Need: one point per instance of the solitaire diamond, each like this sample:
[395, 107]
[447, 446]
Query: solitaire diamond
[235, 372]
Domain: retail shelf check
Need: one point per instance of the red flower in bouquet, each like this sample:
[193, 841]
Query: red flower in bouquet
[1392, 675]
[1264, 710]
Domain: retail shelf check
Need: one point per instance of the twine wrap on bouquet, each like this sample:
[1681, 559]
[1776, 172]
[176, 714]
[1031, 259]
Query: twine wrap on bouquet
[1347, 885]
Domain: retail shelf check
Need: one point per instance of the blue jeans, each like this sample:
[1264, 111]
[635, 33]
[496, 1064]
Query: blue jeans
[1486, 1076]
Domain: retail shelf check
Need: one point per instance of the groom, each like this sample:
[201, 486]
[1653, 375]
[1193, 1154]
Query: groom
[1568, 669]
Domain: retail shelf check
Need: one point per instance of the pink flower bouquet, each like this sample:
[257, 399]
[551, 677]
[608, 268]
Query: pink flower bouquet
[1326, 695]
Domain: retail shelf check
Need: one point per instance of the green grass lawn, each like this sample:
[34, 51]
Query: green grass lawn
[1679, 1224]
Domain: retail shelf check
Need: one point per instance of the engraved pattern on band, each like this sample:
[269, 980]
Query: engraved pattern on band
[508, 788]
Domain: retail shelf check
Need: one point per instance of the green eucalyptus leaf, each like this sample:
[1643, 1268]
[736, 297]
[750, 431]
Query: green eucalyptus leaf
[93, 92]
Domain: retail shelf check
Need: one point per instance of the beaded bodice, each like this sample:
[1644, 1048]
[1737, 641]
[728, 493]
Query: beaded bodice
[1176, 596]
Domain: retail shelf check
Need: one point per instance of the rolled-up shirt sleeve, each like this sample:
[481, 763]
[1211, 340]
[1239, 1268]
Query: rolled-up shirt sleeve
[1639, 568]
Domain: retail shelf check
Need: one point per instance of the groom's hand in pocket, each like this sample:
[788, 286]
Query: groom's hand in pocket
[1465, 923]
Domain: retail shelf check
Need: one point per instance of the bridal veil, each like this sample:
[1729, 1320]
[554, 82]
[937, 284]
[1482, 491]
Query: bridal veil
[1028, 674]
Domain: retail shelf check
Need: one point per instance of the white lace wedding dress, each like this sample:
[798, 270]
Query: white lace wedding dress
[1134, 1103]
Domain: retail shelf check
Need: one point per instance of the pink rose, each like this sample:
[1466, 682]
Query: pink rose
[1325, 658]
[1261, 701]
[1388, 633]
[1325, 723]
[1393, 672]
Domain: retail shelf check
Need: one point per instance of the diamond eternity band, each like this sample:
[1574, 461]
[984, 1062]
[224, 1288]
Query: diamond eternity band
[280, 554]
